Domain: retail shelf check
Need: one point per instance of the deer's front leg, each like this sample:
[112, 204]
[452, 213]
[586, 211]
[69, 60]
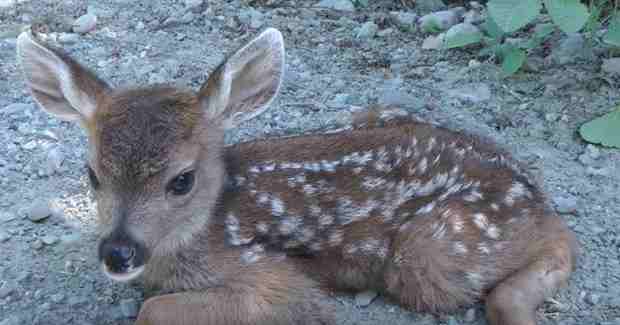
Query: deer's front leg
[277, 296]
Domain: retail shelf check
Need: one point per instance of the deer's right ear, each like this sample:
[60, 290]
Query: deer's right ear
[58, 83]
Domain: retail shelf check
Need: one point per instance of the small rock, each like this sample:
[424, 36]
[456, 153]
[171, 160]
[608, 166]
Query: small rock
[49, 239]
[30, 145]
[463, 31]
[4, 236]
[129, 308]
[16, 108]
[592, 298]
[344, 5]
[565, 204]
[57, 298]
[438, 21]
[12, 320]
[404, 20]
[37, 244]
[470, 315]
[385, 32]
[194, 5]
[473, 17]
[367, 30]
[39, 211]
[340, 100]
[7, 289]
[433, 42]
[593, 152]
[611, 66]
[85, 23]
[251, 17]
[54, 161]
[429, 5]
[140, 26]
[68, 38]
[572, 49]
[46, 306]
[474, 93]
[364, 298]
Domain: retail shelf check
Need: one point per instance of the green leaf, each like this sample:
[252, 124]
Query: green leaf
[511, 15]
[513, 59]
[612, 36]
[569, 15]
[492, 29]
[604, 130]
[462, 35]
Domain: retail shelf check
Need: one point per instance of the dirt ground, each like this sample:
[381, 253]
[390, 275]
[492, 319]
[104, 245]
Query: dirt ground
[48, 269]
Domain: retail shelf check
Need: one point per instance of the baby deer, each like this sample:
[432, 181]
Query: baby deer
[260, 232]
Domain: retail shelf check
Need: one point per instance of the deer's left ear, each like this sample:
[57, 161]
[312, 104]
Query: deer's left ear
[246, 83]
[58, 83]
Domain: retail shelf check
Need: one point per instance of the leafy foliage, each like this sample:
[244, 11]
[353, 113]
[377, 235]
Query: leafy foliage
[511, 15]
[604, 130]
[569, 15]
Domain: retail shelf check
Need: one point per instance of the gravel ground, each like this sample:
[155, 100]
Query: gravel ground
[336, 62]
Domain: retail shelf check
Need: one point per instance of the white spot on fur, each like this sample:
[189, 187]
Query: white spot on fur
[240, 180]
[457, 224]
[277, 206]
[289, 225]
[422, 166]
[481, 221]
[326, 220]
[494, 206]
[475, 279]
[493, 232]
[268, 167]
[335, 237]
[309, 189]
[316, 246]
[427, 208]
[483, 248]
[431, 144]
[252, 254]
[263, 198]
[516, 191]
[460, 248]
[348, 212]
[473, 196]
[373, 183]
[357, 170]
[439, 230]
[262, 228]
[254, 169]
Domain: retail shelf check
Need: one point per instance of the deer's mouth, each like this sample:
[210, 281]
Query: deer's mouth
[129, 274]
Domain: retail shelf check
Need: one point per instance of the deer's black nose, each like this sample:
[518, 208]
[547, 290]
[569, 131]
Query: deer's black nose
[118, 257]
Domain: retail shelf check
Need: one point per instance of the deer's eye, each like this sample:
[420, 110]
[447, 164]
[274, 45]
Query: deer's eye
[92, 177]
[182, 184]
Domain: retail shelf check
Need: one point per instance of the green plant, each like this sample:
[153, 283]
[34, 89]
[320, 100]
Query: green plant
[604, 130]
[507, 17]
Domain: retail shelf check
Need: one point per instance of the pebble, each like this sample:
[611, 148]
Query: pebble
[344, 5]
[4, 236]
[85, 23]
[365, 298]
[571, 49]
[49, 239]
[68, 38]
[433, 42]
[37, 244]
[441, 20]
[611, 66]
[194, 5]
[368, 30]
[429, 5]
[39, 211]
[55, 158]
[7, 289]
[593, 151]
[463, 30]
[16, 108]
[474, 93]
[129, 308]
[470, 315]
[404, 19]
[251, 17]
[12, 320]
[565, 204]
[57, 298]
[592, 298]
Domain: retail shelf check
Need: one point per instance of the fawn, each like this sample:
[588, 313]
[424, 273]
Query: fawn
[261, 232]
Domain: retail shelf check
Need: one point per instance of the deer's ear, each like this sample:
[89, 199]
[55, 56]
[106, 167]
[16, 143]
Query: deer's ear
[246, 83]
[58, 83]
